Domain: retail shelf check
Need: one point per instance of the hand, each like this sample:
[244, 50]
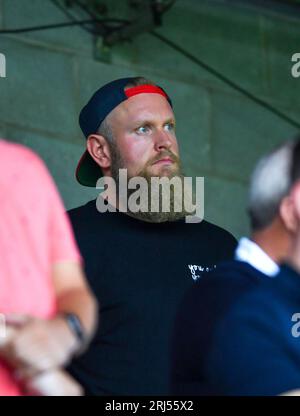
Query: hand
[53, 383]
[39, 345]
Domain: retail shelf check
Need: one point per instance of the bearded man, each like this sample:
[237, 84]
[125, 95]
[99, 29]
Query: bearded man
[139, 263]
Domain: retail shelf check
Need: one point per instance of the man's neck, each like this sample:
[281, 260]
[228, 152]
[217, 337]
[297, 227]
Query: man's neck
[273, 242]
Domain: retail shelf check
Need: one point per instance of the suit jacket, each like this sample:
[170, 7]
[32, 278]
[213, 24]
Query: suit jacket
[237, 334]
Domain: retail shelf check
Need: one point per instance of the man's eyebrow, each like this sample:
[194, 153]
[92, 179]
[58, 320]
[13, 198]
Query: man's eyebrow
[170, 120]
[149, 121]
[143, 121]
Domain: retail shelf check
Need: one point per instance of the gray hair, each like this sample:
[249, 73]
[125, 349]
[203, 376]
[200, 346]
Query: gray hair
[270, 183]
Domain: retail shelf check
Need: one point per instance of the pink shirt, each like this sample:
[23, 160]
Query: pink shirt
[35, 233]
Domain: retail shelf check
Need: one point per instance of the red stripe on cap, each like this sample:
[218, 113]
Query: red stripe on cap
[141, 89]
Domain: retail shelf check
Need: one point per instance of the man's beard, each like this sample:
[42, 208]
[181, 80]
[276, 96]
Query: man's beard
[171, 199]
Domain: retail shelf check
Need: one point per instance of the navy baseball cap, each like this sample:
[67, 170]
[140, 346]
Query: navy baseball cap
[94, 112]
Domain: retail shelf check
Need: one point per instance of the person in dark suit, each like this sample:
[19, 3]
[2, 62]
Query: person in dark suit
[237, 332]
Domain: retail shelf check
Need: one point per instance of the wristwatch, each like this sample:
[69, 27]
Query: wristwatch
[75, 326]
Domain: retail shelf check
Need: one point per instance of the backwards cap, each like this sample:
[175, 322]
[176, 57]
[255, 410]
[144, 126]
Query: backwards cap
[95, 111]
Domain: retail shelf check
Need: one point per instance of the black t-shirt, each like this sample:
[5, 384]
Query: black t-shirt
[139, 272]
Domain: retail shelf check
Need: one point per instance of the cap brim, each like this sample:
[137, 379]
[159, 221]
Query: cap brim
[88, 172]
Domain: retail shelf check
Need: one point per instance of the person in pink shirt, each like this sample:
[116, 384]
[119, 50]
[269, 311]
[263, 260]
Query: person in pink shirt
[46, 305]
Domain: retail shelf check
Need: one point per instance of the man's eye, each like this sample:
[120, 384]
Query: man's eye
[170, 126]
[143, 130]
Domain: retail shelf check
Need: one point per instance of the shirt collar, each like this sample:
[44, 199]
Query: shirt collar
[251, 253]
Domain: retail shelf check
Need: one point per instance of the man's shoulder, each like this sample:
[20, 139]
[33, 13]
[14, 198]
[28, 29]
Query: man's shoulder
[218, 290]
[86, 213]
[82, 209]
[226, 279]
[16, 158]
[259, 300]
[84, 217]
[209, 301]
[274, 295]
[17, 150]
[213, 229]
[233, 270]
[211, 238]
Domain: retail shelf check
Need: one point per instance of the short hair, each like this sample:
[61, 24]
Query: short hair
[105, 128]
[271, 181]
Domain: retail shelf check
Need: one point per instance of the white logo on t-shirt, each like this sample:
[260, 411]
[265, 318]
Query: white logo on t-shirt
[197, 270]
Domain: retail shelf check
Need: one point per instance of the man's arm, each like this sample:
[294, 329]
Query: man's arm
[40, 345]
[74, 296]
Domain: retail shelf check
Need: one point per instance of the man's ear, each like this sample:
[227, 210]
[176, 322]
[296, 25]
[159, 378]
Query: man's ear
[289, 211]
[98, 148]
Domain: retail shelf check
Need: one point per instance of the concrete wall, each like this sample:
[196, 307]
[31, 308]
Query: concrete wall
[51, 74]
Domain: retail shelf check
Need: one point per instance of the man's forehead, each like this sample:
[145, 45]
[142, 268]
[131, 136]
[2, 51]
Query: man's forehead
[143, 105]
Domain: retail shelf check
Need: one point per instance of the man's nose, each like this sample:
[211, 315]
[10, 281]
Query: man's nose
[162, 140]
